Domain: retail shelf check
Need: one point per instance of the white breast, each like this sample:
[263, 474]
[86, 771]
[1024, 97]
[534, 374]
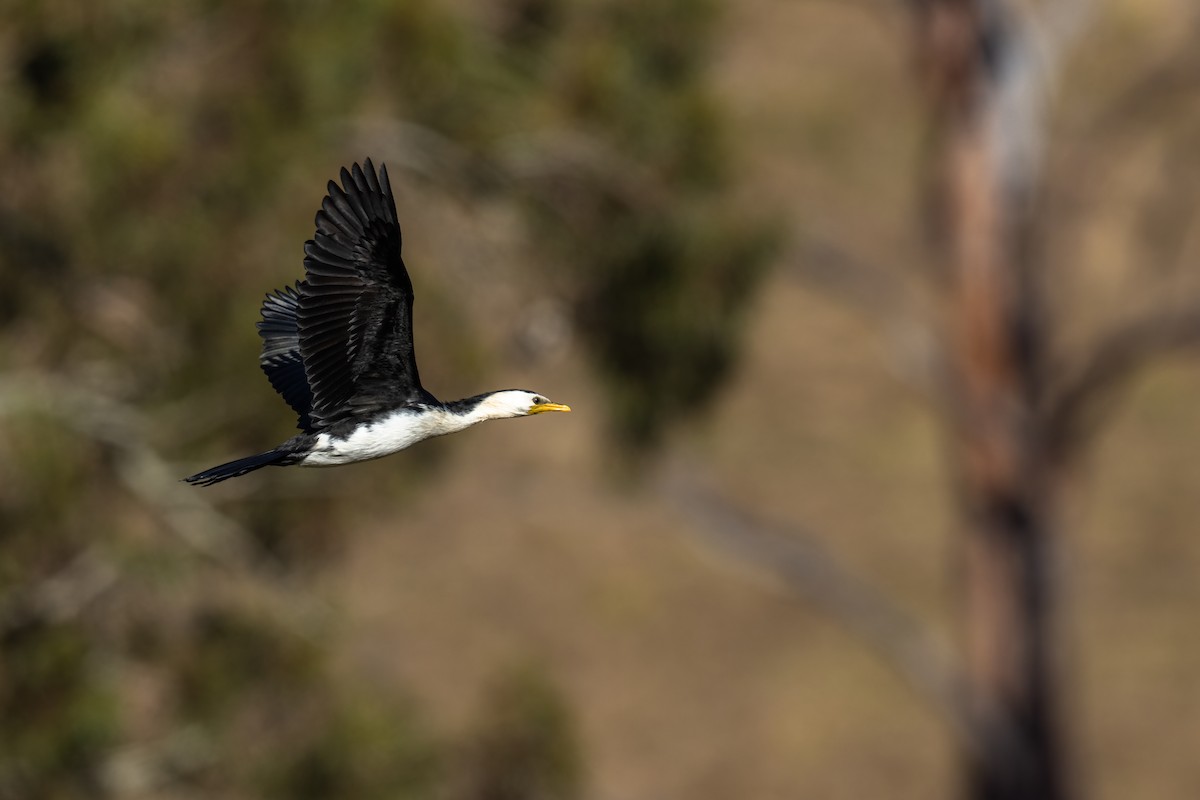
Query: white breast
[402, 428]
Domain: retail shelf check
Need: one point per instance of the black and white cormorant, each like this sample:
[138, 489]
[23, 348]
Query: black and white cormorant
[338, 346]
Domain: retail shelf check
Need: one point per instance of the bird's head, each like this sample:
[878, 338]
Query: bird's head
[519, 403]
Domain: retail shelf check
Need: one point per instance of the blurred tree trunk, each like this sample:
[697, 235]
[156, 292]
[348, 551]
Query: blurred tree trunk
[980, 216]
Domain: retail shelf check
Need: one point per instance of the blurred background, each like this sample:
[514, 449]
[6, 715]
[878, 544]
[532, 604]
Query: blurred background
[874, 316]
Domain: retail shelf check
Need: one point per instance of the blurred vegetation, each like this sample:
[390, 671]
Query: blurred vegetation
[150, 151]
[525, 744]
[160, 164]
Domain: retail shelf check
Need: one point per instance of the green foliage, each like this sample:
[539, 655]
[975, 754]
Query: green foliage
[665, 315]
[662, 267]
[59, 718]
[363, 750]
[525, 746]
[227, 658]
[157, 142]
[152, 157]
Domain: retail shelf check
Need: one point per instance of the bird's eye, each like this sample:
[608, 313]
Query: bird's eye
[537, 401]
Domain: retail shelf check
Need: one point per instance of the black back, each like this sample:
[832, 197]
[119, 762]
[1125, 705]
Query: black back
[348, 324]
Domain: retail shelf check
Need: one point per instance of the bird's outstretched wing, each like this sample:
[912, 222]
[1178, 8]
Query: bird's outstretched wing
[355, 305]
[280, 359]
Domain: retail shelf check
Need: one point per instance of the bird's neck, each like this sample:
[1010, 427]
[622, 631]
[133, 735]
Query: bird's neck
[465, 419]
[472, 410]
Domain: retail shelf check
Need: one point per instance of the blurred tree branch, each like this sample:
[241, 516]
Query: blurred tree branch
[1075, 403]
[194, 520]
[1174, 75]
[893, 306]
[62, 595]
[861, 284]
[1019, 410]
[808, 569]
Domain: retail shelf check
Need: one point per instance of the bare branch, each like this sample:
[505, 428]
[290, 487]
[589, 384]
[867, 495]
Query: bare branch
[64, 594]
[807, 568]
[188, 515]
[1073, 409]
[411, 146]
[195, 522]
[892, 305]
[1168, 81]
[862, 284]
[565, 160]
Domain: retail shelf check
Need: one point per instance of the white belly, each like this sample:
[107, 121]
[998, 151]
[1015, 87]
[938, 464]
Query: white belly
[400, 429]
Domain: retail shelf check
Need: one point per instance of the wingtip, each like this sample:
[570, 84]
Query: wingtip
[385, 183]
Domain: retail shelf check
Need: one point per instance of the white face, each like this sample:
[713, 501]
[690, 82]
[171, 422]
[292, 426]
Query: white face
[520, 403]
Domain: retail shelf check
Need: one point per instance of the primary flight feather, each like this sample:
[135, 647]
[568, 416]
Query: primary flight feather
[338, 346]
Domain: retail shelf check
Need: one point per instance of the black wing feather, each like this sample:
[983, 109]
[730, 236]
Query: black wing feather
[355, 304]
[280, 358]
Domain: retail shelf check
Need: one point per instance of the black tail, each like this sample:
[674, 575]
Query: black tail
[240, 467]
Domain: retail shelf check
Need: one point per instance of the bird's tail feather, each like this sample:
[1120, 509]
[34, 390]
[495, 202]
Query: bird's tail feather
[240, 467]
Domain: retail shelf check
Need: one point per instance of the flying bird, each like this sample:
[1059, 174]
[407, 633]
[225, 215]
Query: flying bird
[338, 345]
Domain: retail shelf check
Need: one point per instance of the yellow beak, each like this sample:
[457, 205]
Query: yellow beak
[541, 407]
